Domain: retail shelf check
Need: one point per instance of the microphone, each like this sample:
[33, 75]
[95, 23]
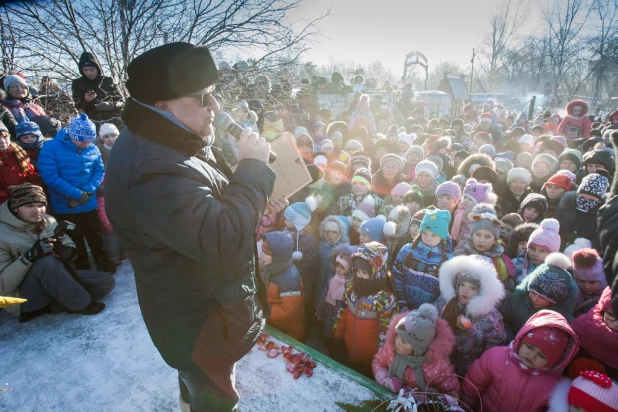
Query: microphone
[224, 121]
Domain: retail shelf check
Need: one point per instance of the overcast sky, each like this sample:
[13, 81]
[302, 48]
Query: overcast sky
[362, 30]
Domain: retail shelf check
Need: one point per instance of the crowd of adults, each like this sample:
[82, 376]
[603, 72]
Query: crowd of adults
[424, 249]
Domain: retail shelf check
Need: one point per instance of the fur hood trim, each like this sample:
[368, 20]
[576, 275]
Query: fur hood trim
[343, 228]
[441, 346]
[479, 158]
[573, 103]
[491, 292]
[558, 399]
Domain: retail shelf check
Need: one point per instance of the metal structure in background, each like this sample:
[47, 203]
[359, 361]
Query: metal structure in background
[416, 58]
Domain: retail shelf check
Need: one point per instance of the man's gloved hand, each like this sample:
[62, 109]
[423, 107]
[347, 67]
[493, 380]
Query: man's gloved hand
[105, 106]
[82, 199]
[41, 248]
[65, 252]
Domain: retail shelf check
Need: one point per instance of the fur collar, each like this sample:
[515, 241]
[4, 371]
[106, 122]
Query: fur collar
[558, 400]
[491, 292]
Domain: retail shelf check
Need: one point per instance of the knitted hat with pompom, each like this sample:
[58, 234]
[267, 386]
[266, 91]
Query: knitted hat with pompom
[547, 236]
[551, 279]
[588, 265]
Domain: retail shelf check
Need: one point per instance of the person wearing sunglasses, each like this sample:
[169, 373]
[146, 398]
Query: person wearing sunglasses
[187, 222]
[18, 101]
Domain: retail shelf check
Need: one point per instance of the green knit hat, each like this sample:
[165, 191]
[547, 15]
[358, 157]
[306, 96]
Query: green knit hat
[437, 221]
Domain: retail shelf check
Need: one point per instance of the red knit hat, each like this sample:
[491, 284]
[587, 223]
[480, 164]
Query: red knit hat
[552, 341]
[593, 391]
[588, 265]
[560, 180]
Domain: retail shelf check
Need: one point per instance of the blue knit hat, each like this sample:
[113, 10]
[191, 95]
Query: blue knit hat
[28, 128]
[82, 129]
[374, 228]
[436, 221]
[299, 214]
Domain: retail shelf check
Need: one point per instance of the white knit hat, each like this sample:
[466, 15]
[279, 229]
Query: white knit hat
[428, 167]
[519, 173]
[108, 128]
[407, 138]
[528, 139]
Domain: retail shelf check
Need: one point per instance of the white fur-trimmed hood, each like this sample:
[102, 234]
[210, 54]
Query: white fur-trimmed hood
[491, 292]
[558, 400]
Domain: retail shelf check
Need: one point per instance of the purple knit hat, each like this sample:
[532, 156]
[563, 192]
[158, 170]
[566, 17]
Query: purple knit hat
[449, 188]
[479, 192]
[587, 265]
[547, 236]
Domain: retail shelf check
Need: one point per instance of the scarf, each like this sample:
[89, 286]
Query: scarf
[208, 139]
[585, 205]
[32, 147]
[274, 269]
[428, 255]
[23, 112]
[367, 287]
[336, 287]
[400, 363]
[429, 191]
[108, 148]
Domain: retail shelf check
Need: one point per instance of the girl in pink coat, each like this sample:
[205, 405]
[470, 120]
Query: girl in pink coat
[521, 376]
[576, 117]
[416, 354]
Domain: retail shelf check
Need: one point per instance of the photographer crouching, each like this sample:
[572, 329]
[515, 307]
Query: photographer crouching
[35, 260]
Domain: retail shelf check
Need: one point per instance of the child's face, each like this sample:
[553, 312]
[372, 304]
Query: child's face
[267, 259]
[327, 150]
[403, 146]
[483, 240]
[331, 236]
[359, 189]
[521, 246]
[430, 238]
[446, 202]
[424, 179]
[538, 301]
[588, 287]
[109, 139]
[305, 151]
[364, 238]
[393, 138]
[402, 347]
[319, 130]
[468, 203]
[413, 207]
[525, 147]
[568, 165]
[554, 192]
[415, 229]
[356, 222]
[390, 170]
[530, 214]
[335, 176]
[413, 159]
[362, 274]
[381, 152]
[466, 291]
[593, 167]
[397, 199]
[532, 356]
[338, 144]
[341, 270]
[572, 134]
[28, 138]
[537, 255]
[540, 169]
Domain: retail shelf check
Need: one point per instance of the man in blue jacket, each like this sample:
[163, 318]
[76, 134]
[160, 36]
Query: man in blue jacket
[72, 168]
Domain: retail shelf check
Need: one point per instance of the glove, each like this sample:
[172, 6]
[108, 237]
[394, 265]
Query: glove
[38, 250]
[64, 251]
[393, 384]
[82, 199]
[105, 106]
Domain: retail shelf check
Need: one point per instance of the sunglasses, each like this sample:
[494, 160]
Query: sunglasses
[205, 97]
[18, 86]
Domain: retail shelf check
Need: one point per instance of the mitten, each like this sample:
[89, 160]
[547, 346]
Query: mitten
[38, 250]
[393, 384]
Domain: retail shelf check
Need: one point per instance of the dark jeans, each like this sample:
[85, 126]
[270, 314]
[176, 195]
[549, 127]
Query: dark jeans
[213, 390]
[48, 281]
[87, 229]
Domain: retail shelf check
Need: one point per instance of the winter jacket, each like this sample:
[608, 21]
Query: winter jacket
[381, 186]
[309, 265]
[415, 273]
[486, 327]
[15, 169]
[586, 302]
[608, 240]
[517, 308]
[597, 340]
[103, 150]
[583, 123]
[21, 110]
[327, 266]
[69, 171]
[284, 289]
[347, 204]
[8, 120]
[574, 223]
[505, 385]
[438, 372]
[364, 321]
[101, 212]
[16, 238]
[507, 201]
[104, 87]
[523, 266]
[186, 223]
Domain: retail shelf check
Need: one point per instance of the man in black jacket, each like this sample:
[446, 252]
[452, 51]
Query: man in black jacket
[94, 94]
[187, 222]
[607, 225]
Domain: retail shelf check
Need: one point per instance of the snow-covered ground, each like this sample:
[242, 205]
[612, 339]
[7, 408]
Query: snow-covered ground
[107, 362]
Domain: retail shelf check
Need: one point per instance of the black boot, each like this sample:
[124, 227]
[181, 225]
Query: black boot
[104, 265]
[92, 309]
[26, 316]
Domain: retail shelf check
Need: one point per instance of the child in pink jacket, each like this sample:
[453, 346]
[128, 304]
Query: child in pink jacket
[521, 376]
[416, 354]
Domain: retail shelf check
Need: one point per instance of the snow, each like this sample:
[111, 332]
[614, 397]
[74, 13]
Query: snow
[107, 362]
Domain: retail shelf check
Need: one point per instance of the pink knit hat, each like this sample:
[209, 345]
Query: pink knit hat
[449, 188]
[365, 210]
[547, 236]
[588, 265]
[401, 189]
[594, 391]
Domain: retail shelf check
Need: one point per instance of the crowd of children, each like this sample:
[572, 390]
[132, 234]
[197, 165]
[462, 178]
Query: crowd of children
[454, 258]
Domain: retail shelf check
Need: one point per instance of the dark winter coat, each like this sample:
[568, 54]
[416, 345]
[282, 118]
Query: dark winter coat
[9, 120]
[187, 225]
[608, 242]
[574, 224]
[104, 87]
[507, 201]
